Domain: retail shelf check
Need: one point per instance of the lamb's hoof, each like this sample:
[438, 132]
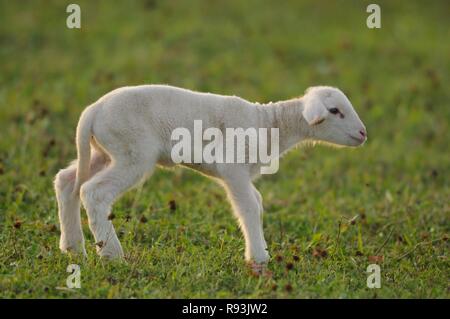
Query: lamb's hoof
[110, 250]
[259, 269]
[74, 249]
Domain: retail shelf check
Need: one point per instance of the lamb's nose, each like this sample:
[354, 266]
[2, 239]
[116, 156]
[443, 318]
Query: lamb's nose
[363, 133]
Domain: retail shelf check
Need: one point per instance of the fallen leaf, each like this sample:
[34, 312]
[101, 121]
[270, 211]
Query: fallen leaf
[319, 252]
[143, 219]
[173, 205]
[279, 258]
[376, 259]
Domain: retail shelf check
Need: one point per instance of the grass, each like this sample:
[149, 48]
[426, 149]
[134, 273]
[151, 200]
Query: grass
[397, 184]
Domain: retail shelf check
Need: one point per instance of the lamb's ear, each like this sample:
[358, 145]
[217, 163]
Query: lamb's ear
[314, 111]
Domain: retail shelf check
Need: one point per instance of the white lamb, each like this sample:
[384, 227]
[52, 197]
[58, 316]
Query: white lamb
[130, 132]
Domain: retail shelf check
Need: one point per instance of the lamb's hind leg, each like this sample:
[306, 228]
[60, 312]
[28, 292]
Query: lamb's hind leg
[72, 239]
[98, 196]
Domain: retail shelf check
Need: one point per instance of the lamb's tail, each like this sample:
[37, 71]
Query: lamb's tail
[83, 141]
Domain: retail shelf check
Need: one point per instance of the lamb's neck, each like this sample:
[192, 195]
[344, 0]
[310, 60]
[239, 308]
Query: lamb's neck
[287, 117]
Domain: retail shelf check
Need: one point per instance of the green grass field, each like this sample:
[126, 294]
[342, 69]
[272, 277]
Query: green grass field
[397, 77]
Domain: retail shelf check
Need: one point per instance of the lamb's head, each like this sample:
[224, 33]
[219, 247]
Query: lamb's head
[331, 117]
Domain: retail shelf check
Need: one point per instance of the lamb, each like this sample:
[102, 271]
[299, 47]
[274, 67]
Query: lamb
[129, 131]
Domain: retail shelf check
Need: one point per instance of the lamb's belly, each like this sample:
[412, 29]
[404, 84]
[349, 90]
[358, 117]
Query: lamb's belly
[206, 169]
[203, 168]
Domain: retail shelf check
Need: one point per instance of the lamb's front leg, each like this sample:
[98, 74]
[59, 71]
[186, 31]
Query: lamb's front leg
[247, 209]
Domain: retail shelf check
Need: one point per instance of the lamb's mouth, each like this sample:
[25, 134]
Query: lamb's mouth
[360, 140]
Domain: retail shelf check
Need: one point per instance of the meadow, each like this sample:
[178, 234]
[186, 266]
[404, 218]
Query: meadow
[329, 213]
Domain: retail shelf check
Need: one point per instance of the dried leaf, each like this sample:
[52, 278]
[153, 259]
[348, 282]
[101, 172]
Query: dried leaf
[376, 259]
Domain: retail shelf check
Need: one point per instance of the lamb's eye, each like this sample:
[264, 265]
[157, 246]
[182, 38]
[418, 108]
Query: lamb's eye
[334, 111]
